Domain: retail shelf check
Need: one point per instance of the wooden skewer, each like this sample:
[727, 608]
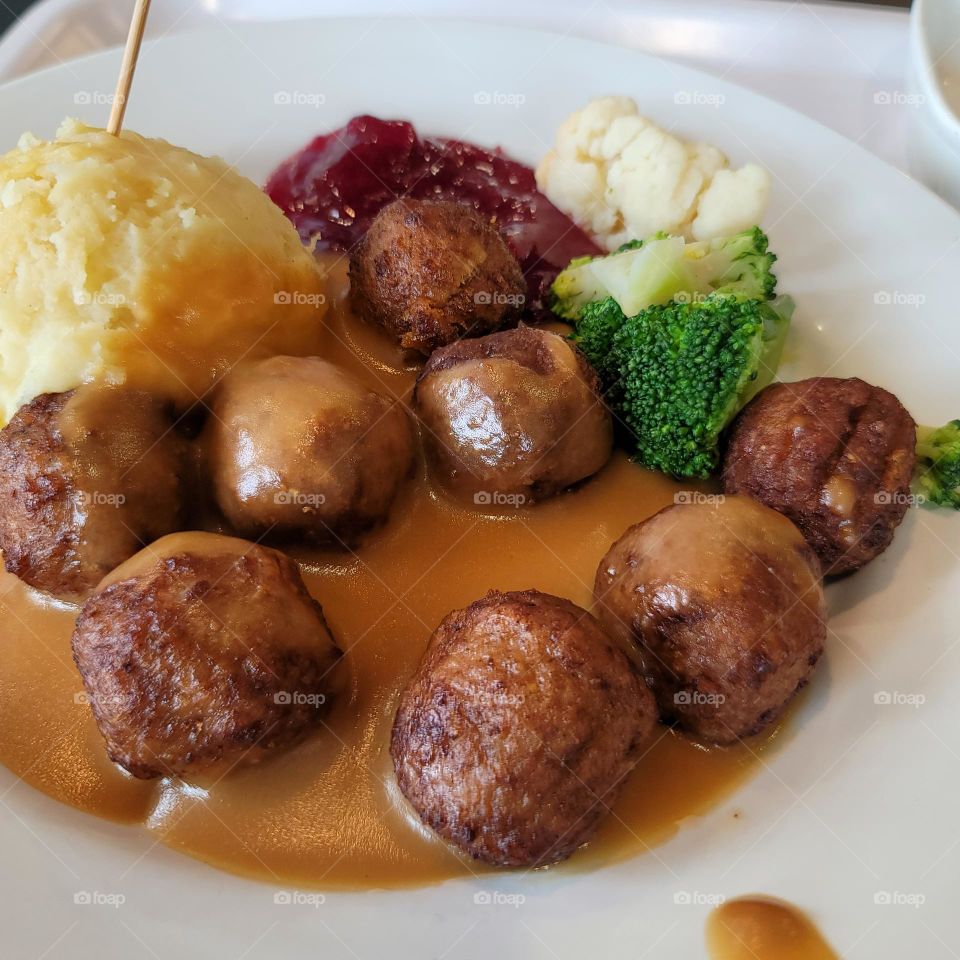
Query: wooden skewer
[130, 53]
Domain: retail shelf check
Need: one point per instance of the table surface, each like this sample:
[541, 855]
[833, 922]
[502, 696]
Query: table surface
[11, 10]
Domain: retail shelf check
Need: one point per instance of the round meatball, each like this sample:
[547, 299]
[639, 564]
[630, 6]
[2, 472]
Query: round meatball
[835, 456]
[725, 602]
[298, 449]
[513, 417]
[432, 272]
[87, 478]
[203, 650]
[519, 727]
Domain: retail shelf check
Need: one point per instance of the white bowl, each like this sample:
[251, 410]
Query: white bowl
[934, 147]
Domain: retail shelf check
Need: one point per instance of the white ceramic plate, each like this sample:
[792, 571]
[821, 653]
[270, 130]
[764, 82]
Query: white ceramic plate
[854, 818]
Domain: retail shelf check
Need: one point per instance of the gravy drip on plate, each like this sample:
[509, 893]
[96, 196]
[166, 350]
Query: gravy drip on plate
[763, 928]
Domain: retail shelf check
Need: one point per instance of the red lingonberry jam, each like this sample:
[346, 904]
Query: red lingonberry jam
[333, 188]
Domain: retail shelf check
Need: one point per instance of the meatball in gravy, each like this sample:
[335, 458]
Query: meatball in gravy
[432, 272]
[517, 413]
[87, 478]
[725, 602]
[203, 650]
[299, 449]
[519, 727]
[835, 456]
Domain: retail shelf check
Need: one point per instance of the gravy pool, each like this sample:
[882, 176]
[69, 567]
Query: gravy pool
[327, 814]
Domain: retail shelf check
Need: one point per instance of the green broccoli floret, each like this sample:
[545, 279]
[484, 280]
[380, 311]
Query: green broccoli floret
[937, 476]
[652, 261]
[643, 273]
[595, 333]
[676, 374]
[741, 265]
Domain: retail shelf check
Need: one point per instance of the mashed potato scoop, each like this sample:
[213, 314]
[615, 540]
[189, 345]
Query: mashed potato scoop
[129, 260]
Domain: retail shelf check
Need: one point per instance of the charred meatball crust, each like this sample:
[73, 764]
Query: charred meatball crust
[210, 652]
[87, 478]
[517, 412]
[725, 603]
[431, 272]
[835, 456]
[519, 727]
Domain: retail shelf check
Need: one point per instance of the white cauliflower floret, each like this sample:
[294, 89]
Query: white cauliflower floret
[621, 177]
[577, 167]
[586, 130]
[734, 201]
[654, 185]
[708, 160]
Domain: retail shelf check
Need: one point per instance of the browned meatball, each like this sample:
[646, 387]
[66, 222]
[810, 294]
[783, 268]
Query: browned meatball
[724, 599]
[86, 479]
[519, 727]
[835, 456]
[512, 417]
[299, 449]
[431, 272]
[203, 650]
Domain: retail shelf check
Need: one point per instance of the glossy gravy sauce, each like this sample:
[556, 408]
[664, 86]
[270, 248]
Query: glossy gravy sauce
[763, 928]
[327, 813]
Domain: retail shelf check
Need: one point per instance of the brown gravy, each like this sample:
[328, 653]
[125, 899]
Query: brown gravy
[327, 814]
[763, 928]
